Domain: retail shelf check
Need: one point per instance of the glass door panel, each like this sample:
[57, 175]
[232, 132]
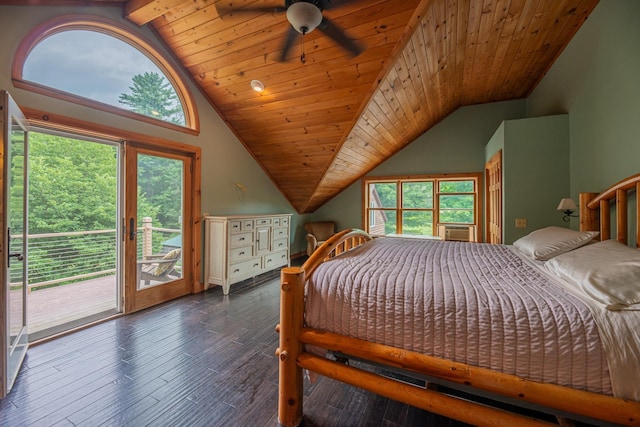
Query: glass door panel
[159, 220]
[13, 282]
[74, 236]
[157, 187]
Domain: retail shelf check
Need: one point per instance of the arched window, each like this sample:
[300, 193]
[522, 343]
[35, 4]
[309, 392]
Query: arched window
[93, 62]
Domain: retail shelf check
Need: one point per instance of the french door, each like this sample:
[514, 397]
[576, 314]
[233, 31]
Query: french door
[158, 226]
[156, 246]
[13, 250]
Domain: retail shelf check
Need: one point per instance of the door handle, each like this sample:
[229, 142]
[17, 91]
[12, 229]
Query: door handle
[132, 228]
[17, 255]
[10, 255]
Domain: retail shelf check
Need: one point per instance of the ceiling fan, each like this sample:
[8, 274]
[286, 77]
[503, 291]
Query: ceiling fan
[304, 17]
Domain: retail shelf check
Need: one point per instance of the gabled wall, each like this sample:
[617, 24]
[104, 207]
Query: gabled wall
[456, 144]
[225, 161]
[596, 80]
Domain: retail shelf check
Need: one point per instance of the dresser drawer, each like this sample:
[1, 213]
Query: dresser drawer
[274, 260]
[247, 225]
[263, 221]
[235, 226]
[279, 245]
[239, 254]
[244, 269]
[280, 233]
[240, 239]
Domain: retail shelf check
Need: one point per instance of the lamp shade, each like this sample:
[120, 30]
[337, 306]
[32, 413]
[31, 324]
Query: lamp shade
[567, 205]
[304, 17]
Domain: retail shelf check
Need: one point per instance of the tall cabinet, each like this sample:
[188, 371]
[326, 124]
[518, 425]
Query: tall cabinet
[534, 174]
[238, 247]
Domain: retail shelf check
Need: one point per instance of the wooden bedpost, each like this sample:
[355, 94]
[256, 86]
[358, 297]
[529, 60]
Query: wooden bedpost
[291, 322]
[588, 217]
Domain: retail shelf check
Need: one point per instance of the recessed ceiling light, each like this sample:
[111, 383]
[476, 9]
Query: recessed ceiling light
[257, 85]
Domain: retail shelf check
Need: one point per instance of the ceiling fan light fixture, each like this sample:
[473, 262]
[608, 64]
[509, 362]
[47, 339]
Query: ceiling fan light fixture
[257, 86]
[304, 17]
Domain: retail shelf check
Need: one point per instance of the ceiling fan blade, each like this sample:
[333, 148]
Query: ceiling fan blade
[339, 36]
[225, 10]
[328, 4]
[292, 34]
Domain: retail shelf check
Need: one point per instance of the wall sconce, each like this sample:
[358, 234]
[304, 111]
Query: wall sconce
[257, 86]
[568, 207]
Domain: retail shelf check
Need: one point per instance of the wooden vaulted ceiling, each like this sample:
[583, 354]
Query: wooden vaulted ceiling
[320, 126]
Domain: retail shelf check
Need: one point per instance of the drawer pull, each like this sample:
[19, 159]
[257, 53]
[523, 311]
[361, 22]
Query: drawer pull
[241, 239]
[255, 265]
[236, 270]
[241, 253]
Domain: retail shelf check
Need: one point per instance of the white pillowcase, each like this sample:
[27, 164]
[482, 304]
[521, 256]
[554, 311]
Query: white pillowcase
[546, 243]
[608, 272]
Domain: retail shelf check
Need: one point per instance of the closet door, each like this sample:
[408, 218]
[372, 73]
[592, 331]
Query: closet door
[493, 182]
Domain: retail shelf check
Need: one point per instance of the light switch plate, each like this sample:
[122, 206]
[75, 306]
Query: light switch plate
[521, 223]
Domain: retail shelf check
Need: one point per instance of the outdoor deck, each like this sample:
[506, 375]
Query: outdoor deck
[50, 307]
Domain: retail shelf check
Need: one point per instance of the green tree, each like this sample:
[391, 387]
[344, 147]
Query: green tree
[152, 95]
[160, 187]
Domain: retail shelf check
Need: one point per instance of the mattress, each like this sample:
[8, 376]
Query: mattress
[479, 304]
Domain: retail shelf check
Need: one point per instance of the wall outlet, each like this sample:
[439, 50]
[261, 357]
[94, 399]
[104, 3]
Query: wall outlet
[521, 223]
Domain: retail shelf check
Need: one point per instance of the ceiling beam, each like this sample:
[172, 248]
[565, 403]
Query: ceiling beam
[144, 11]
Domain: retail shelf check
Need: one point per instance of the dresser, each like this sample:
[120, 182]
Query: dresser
[238, 247]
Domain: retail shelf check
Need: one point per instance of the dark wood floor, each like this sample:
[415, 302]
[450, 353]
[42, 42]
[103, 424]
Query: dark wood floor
[201, 360]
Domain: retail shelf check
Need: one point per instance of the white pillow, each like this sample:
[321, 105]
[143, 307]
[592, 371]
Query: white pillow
[546, 243]
[608, 272]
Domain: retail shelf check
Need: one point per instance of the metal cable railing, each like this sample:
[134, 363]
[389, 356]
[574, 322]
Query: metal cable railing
[61, 258]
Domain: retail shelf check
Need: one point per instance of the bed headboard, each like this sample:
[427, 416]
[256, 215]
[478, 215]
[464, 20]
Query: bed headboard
[595, 210]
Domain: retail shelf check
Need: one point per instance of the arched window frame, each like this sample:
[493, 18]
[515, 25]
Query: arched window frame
[111, 28]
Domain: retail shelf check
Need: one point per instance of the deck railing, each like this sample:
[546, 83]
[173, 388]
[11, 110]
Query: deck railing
[61, 258]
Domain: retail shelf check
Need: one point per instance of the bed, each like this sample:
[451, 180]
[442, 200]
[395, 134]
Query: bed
[538, 323]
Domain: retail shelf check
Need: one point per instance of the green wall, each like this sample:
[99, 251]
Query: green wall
[456, 144]
[597, 81]
[225, 161]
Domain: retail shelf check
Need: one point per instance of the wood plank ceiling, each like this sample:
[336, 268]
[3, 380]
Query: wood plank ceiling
[320, 126]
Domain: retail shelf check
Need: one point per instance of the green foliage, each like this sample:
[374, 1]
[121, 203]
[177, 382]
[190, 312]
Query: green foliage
[72, 184]
[152, 95]
[387, 193]
[456, 186]
[417, 195]
[160, 190]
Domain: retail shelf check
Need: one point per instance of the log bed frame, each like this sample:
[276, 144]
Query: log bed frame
[594, 215]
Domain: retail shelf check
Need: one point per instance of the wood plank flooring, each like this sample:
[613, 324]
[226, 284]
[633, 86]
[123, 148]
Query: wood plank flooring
[201, 360]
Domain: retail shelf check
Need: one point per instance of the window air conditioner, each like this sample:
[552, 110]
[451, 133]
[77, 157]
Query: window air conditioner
[456, 232]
